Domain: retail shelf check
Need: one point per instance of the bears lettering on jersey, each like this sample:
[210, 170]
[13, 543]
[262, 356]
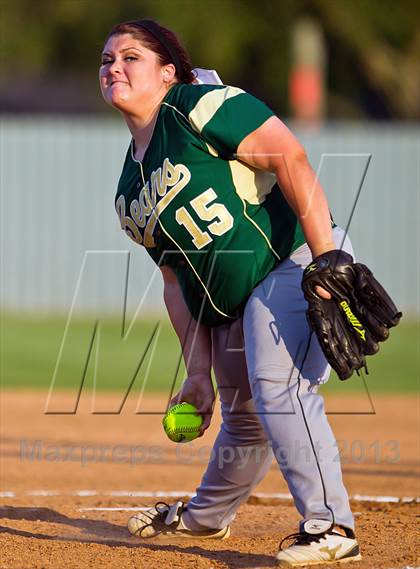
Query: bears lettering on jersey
[165, 184]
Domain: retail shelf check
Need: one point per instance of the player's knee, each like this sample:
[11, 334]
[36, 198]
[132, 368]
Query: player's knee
[244, 428]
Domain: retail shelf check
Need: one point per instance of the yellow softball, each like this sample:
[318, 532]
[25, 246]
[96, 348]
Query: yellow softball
[181, 423]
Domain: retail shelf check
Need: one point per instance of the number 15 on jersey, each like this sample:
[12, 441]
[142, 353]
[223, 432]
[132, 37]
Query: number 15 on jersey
[218, 218]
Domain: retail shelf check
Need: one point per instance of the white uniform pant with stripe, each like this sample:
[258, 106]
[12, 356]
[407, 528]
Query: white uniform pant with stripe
[270, 405]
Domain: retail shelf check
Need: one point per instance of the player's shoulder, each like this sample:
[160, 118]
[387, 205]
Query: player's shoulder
[185, 97]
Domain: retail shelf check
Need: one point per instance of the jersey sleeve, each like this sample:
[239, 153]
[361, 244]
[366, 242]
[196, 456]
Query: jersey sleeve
[223, 115]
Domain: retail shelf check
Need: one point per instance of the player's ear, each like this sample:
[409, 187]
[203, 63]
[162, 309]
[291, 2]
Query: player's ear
[168, 72]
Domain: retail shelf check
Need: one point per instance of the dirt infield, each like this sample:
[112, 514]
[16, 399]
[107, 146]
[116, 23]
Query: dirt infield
[56, 467]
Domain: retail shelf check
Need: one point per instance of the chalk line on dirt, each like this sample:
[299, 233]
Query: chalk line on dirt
[181, 494]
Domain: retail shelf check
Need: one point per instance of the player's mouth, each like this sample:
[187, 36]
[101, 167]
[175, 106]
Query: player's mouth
[117, 81]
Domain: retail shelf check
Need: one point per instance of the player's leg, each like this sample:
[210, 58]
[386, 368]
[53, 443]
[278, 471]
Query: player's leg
[240, 457]
[286, 365]
[241, 454]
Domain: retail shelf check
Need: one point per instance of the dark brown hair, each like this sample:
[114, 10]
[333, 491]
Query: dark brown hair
[169, 40]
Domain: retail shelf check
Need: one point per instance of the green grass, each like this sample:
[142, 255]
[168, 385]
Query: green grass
[30, 347]
[394, 369]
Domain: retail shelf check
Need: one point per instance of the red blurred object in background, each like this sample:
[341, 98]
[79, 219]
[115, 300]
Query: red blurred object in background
[306, 93]
[307, 76]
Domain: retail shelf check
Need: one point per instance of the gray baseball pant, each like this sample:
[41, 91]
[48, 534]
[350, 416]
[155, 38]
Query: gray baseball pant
[268, 368]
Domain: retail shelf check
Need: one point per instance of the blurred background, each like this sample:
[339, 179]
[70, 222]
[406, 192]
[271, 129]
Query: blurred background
[344, 75]
[367, 53]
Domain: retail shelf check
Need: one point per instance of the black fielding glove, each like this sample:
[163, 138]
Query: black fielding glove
[358, 315]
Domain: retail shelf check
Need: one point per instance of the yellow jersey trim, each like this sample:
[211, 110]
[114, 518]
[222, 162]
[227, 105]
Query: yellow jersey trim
[195, 272]
[209, 104]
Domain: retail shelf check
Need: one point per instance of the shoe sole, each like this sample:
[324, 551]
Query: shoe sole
[218, 534]
[333, 561]
[221, 534]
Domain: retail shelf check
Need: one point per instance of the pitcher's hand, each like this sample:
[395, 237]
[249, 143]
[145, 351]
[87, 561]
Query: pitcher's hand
[198, 390]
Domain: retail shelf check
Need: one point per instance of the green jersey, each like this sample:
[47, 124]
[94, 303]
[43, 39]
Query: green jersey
[220, 224]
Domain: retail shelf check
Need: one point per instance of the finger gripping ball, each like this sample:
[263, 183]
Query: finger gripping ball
[181, 423]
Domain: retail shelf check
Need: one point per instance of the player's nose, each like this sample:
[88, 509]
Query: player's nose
[115, 69]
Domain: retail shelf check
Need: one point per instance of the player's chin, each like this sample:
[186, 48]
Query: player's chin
[118, 98]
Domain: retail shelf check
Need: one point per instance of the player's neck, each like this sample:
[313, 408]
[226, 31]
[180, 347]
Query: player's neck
[142, 122]
[141, 128]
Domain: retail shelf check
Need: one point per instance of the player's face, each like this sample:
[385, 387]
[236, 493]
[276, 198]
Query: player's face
[130, 74]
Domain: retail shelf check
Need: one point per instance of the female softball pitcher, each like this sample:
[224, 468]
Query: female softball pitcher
[222, 196]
